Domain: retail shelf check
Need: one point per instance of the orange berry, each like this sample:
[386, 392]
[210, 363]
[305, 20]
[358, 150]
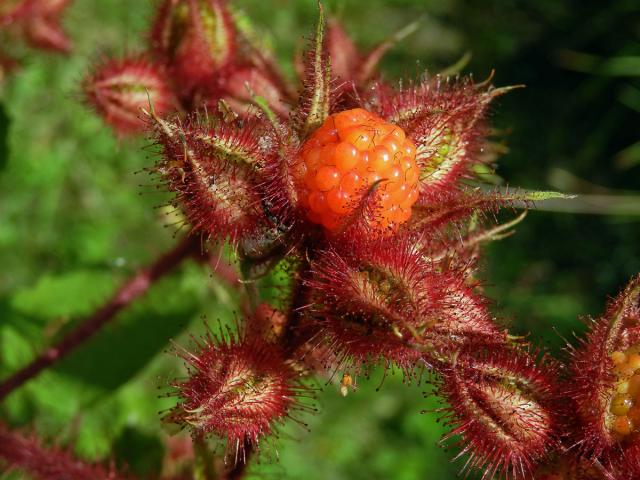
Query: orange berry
[339, 201]
[634, 386]
[409, 149]
[359, 137]
[351, 182]
[634, 414]
[347, 155]
[313, 158]
[633, 360]
[317, 202]
[618, 357]
[621, 404]
[380, 159]
[622, 425]
[327, 178]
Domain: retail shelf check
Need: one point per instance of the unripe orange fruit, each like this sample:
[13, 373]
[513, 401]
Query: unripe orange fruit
[353, 152]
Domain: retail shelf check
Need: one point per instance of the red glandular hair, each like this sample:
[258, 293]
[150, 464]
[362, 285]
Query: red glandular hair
[501, 409]
[591, 381]
[383, 300]
[195, 39]
[212, 166]
[119, 89]
[238, 389]
[27, 454]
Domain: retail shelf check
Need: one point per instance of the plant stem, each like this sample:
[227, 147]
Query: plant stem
[240, 468]
[132, 289]
[204, 468]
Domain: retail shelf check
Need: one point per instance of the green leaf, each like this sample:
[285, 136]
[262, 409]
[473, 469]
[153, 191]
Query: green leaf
[139, 451]
[4, 137]
[69, 294]
[125, 346]
[537, 196]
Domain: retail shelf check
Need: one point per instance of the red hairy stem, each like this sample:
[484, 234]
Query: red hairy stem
[239, 470]
[131, 290]
[19, 451]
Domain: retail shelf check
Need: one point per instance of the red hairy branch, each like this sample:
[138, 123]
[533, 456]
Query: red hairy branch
[132, 289]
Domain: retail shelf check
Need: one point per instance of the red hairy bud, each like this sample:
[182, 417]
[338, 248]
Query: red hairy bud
[120, 89]
[501, 407]
[196, 38]
[384, 300]
[238, 389]
[604, 379]
[212, 169]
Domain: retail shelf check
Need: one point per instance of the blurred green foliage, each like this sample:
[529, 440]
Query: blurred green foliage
[77, 219]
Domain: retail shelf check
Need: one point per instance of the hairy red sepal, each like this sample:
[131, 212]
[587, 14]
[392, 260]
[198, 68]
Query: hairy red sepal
[501, 410]
[384, 300]
[211, 166]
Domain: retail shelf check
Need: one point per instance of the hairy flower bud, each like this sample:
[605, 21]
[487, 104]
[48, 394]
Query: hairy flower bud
[604, 378]
[383, 300]
[195, 38]
[120, 89]
[501, 407]
[238, 390]
[211, 167]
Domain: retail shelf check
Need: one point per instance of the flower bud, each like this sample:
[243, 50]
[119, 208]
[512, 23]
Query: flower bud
[120, 89]
[501, 407]
[238, 390]
[195, 38]
[210, 166]
[445, 120]
[383, 300]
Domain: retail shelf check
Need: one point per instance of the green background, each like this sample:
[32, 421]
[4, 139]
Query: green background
[77, 217]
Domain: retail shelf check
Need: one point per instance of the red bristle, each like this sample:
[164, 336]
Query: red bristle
[119, 90]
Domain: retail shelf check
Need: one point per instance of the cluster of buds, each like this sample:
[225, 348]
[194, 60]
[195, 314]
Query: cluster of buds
[365, 191]
[198, 55]
[35, 21]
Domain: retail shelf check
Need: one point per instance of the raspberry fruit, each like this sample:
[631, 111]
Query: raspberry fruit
[350, 153]
[625, 403]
